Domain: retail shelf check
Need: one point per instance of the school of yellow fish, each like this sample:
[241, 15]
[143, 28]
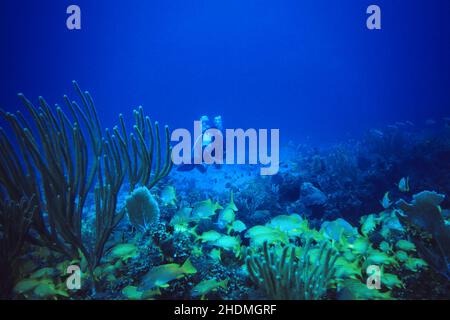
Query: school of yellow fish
[394, 254]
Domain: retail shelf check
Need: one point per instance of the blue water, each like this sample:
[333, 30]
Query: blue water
[310, 68]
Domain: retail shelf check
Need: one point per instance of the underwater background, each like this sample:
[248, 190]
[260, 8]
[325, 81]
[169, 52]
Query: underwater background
[364, 176]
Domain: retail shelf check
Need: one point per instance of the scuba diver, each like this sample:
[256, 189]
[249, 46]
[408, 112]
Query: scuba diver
[205, 139]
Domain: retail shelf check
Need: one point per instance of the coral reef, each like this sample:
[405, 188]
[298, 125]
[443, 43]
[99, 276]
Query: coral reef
[316, 230]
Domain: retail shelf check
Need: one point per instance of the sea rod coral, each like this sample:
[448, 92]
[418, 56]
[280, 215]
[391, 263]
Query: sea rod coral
[61, 157]
[284, 274]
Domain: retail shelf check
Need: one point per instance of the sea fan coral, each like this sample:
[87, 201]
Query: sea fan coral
[142, 208]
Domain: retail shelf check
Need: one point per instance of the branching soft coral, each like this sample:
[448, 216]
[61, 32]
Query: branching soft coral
[15, 220]
[62, 156]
